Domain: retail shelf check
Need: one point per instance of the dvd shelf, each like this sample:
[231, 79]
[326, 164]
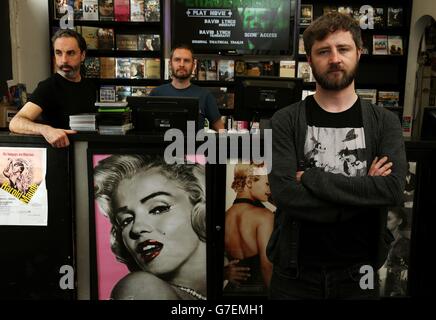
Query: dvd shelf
[124, 41]
[219, 74]
[383, 63]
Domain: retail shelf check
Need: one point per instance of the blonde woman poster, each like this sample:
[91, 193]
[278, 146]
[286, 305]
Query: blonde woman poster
[150, 224]
[249, 222]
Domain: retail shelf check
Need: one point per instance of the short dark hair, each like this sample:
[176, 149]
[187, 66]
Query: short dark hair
[182, 46]
[329, 23]
[68, 33]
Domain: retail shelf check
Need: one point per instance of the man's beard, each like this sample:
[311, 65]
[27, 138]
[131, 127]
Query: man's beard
[71, 71]
[335, 84]
[185, 76]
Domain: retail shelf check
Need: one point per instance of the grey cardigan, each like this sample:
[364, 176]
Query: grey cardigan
[321, 196]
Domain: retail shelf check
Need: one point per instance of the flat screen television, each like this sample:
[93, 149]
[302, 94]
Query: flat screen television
[235, 26]
[260, 97]
[157, 114]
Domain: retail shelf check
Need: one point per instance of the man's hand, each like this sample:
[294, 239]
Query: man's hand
[57, 137]
[380, 167]
[218, 125]
[234, 273]
[24, 122]
[299, 175]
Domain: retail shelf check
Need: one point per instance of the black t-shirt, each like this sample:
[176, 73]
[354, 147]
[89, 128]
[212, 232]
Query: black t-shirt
[59, 98]
[336, 142]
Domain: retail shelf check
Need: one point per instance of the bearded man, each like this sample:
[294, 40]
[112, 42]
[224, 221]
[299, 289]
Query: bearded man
[63, 94]
[182, 66]
[330, 233]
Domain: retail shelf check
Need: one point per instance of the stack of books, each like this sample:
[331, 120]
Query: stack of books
[84, 122]
[114, 118]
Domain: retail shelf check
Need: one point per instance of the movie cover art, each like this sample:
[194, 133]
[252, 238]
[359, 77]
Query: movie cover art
[249, 219]
[23, 195]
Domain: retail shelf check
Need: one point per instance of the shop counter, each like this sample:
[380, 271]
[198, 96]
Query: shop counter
[31, 257]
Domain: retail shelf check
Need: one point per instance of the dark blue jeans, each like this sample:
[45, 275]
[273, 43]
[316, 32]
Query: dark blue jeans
[321, 283]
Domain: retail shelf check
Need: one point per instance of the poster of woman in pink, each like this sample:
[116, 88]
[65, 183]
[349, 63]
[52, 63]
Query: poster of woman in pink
[150, 224]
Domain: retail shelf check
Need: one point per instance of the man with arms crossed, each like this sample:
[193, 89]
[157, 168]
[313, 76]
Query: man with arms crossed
[337, 162]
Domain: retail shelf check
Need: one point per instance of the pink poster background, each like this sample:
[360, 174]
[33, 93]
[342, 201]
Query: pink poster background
[109, 270]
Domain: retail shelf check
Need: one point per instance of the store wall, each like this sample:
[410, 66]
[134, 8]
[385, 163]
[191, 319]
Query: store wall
[422, 12]
[5, 40]
[30, 41]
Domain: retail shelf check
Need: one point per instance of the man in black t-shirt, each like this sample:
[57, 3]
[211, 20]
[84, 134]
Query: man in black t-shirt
[337, 163]
[63, 94]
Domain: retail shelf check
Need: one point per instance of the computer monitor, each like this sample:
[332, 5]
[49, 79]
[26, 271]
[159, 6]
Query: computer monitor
[428, 130]
[157, 114]
[259, 98]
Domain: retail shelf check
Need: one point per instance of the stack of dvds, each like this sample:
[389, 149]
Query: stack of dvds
[84, 122]
[114, 118]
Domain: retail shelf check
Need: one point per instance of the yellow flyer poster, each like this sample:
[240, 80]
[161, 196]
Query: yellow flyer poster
[23, 193]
